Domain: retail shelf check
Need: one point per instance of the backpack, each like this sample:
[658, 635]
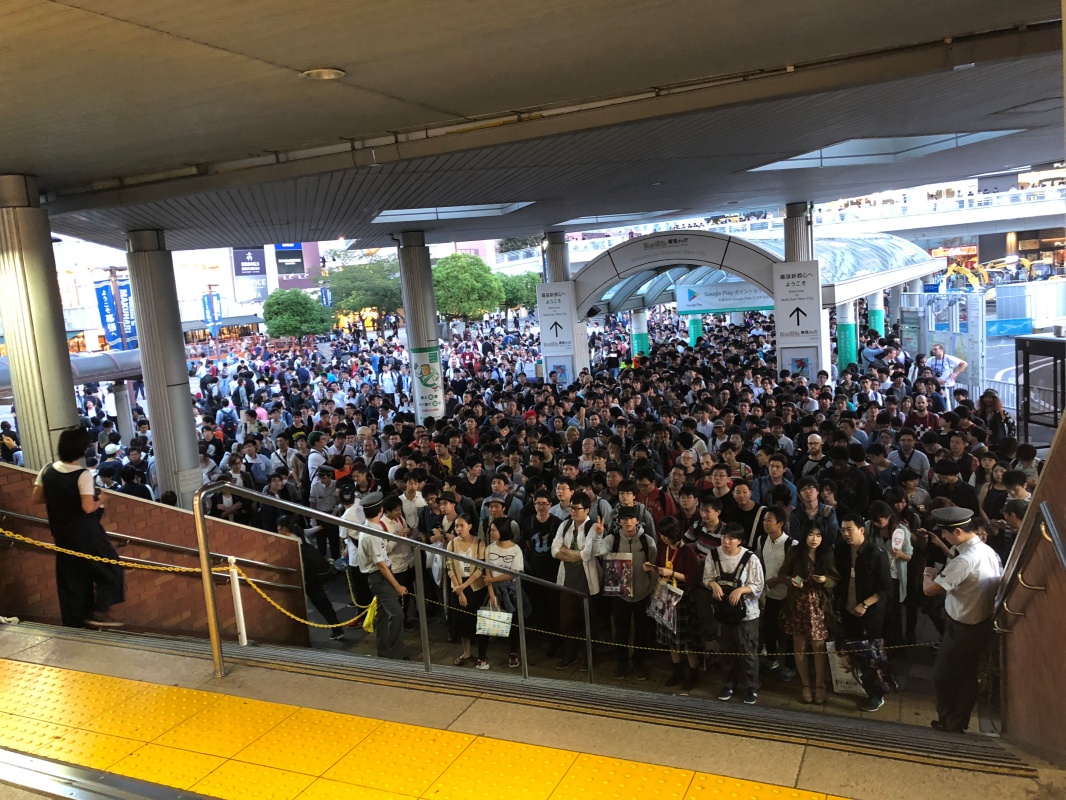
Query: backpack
[229, 425]
[724, 613]
[643, 543]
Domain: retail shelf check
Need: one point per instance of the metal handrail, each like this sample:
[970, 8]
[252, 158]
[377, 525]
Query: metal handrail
[1043, 527]
[200, 518]
[177, 548]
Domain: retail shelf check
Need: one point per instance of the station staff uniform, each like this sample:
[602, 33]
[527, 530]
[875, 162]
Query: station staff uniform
[970, 578]
[371, 552]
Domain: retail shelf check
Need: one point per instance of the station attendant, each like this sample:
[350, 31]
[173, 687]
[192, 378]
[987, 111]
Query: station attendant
[373, 561]
[969, 580]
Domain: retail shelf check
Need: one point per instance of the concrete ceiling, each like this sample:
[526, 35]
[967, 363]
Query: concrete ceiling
[192, 116]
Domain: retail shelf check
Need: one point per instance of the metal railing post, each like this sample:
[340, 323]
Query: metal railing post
[238, 603]
[420, 604]
[209, 582]
[521, 626]
[588, 637]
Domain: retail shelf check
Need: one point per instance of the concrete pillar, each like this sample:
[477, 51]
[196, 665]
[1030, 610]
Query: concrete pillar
[847, 335]
[557, 257]
[695, 328]
[799, 232]
[423, 338]
[738, 318]
[166, 376]
[557, 270]
[124, 412]
[34, 329]
[875, 312]
[638, 332]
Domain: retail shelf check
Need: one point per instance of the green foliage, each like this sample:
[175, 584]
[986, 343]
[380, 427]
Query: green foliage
[290, 312]
[520, 291]
[466, 287]
[370, 284]
[518, 243]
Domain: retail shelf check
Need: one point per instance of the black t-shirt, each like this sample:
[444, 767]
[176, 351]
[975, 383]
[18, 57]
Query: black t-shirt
[745, 519]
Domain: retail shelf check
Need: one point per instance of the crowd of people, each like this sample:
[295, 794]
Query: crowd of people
[714, 506]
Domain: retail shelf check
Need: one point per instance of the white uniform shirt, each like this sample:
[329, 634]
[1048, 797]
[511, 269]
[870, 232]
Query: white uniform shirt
[371, 551]
[356, 515]
[971, 579]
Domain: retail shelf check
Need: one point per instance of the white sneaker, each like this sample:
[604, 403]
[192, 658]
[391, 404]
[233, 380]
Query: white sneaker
[481, 663]
[9, 620]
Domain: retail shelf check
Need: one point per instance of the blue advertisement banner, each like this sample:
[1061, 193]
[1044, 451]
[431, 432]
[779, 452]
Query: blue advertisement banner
[105, 300]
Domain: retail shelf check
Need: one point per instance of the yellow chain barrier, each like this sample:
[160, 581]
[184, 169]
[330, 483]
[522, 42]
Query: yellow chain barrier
[667, 650]
[186, 570]
[359, 617]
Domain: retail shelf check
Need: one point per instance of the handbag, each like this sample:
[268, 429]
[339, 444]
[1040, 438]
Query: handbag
[493, 623]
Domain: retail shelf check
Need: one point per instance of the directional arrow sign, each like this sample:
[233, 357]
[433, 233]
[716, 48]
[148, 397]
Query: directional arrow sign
[797, 304]
[557, 317]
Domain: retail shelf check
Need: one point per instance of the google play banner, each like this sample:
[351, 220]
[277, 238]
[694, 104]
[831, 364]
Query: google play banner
[721, 298]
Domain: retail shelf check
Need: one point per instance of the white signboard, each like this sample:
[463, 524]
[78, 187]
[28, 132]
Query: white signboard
[555, 313]
[797, 304]
[721, 298]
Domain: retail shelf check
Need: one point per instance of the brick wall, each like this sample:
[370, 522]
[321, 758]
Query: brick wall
[155, 601]
[1034, 705]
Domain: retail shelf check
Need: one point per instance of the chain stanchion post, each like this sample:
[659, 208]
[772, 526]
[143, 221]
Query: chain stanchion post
[588, 637]
[423, 621]
[200, 521]
[521, 626]
[238, 603]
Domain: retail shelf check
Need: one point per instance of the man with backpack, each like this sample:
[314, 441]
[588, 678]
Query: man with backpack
[735, 579]
[628, 587]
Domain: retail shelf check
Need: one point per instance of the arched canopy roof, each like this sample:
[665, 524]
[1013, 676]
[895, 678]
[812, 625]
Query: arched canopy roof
[642, 272]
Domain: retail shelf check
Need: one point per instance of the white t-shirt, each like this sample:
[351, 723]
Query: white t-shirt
[508, 557]
[85, 480]
[943, 367]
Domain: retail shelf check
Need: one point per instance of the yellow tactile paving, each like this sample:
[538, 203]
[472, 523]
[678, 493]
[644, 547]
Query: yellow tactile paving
[325, 789]
[599, 778]
[503, 769]
[28, 735]
[309, 741]
[235, 780]
[716, 787]
[89, 749]
[179, 769]
[226, 726]
[150, 713]
[424, 754]
[239, 749]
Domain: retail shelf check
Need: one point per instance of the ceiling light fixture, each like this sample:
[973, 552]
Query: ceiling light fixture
[323, 74]
[657, 183]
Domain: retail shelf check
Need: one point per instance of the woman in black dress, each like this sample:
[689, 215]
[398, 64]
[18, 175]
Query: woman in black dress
[88, 590]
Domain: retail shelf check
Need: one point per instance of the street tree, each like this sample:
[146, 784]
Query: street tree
[291, 312]
[520, 291]
[374, 283]
[466, 287]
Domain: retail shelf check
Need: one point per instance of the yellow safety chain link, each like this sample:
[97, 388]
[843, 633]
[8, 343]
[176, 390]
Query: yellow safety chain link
[351, 590]
[363, 609]
[688, 652]
[161, 568]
